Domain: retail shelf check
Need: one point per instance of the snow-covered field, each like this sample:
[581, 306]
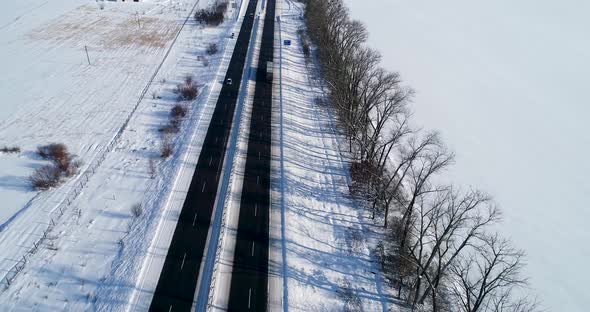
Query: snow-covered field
[506, 83]
[92, 256]
[49, 93]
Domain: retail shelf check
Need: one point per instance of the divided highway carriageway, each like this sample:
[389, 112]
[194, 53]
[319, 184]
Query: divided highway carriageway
[178, 280]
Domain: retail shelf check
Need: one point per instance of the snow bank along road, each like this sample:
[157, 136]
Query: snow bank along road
[182, 267]
[249, 282]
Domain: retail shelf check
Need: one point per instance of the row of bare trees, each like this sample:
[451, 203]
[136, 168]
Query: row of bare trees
[443, 253]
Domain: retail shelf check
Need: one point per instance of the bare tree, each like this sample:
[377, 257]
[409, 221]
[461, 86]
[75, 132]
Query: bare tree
[508, 303]
[392, 139]
[409, 152]
[350, 80]
[447, 222]
[432, 161]
[384, 108]
[485, 279]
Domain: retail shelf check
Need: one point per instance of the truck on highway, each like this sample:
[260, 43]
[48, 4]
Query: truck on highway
[269, 66]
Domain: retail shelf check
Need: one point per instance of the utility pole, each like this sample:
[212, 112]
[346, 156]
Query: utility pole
[137, 17]
[87, 57]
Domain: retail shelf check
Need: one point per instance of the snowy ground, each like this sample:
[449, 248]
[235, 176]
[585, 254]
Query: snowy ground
[506, 83]
[50, 94]
[326, 244]
[92, 256]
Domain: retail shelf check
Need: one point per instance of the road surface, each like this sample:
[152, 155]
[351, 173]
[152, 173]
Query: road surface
[249, 281]
[178, 280]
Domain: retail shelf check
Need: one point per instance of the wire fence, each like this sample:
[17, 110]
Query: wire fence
[84, 176]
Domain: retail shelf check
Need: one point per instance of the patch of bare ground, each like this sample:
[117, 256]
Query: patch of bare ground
[107, 29]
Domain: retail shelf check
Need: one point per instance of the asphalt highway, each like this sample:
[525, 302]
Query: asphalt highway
[249, 281]
[176, 286]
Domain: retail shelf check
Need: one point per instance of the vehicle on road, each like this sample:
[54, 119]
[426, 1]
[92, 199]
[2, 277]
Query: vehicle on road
[228, 81]
[269, 66]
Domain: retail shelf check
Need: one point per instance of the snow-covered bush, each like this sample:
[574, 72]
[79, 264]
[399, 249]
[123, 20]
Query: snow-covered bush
[9, 149]
[166, 147]
[45, 177]
[306, 45]
[188, 90]
[61, 158]
[136, 210]
[213, 16]
[212, 49]
[52, 151]
[178, 111]
[63, 164]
